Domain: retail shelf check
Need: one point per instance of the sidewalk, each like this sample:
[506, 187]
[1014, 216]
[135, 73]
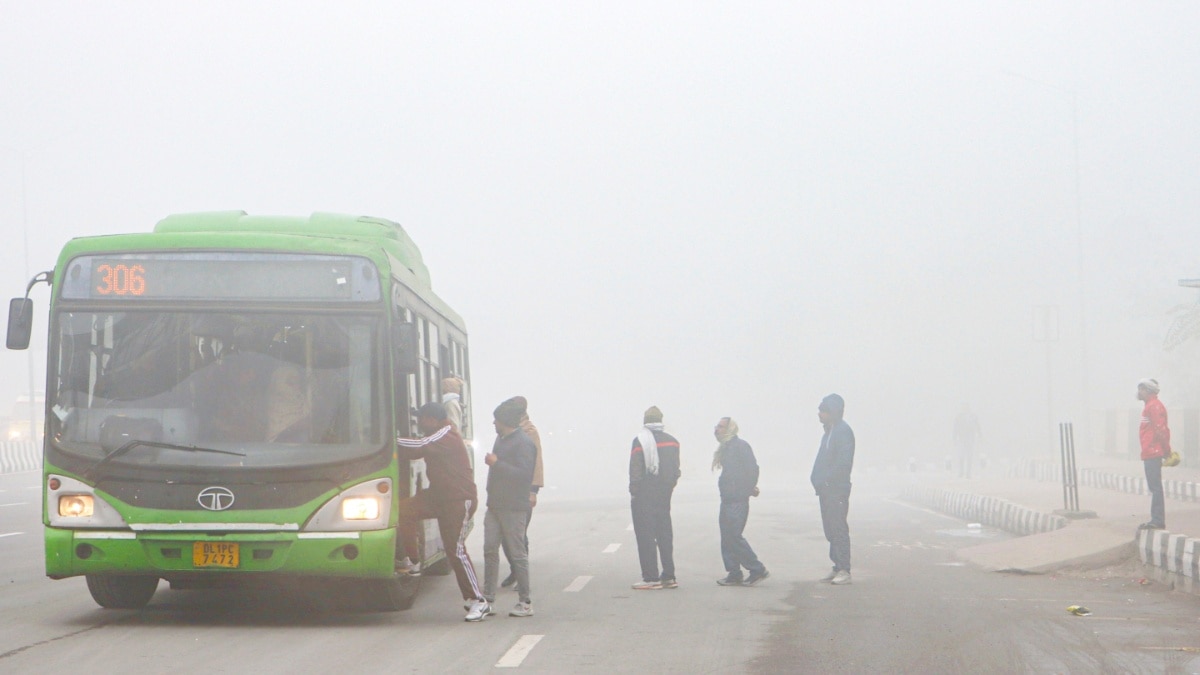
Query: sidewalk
[1023, 498]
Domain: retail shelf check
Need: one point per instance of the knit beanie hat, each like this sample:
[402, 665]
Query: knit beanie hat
[508, 414]
[652, 415]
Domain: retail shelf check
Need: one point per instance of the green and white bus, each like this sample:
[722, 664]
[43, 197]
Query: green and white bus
[223, 397]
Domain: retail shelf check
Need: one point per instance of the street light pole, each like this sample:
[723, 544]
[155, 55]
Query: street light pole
[1084, 425]
[33, 433]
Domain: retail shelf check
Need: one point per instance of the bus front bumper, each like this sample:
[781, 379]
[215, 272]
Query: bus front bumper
[366, 554]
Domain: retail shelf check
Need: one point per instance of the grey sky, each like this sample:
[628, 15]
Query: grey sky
[718, 208]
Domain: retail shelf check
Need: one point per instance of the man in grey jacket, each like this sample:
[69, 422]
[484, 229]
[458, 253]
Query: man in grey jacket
[831, 480]
[510, 474]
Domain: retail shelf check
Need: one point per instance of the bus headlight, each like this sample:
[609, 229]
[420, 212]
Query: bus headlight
[360, 508]
[364, 506]
[76, 506]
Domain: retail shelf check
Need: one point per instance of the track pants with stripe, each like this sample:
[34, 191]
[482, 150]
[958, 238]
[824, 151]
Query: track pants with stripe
[454, 519]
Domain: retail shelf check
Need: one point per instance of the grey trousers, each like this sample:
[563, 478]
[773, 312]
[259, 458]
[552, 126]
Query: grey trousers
[504, 527]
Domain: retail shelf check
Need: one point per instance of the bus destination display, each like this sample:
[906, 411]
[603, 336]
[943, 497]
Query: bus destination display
[260, 276]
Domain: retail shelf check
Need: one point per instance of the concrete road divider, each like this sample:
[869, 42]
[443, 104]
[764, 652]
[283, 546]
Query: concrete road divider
[991, 511]
[18, 456]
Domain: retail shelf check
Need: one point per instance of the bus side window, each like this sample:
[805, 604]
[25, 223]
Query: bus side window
[403, 380]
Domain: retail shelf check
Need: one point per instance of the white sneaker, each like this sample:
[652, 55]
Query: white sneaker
[479, 609]
[647, 586]
[522, 609]
[841, 578]
[829, 577]
[406, 566]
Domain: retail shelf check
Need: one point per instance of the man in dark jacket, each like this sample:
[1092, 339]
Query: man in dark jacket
[450, 497]
[831, 480]
[738, 483]
[510, 477]
[653, 473]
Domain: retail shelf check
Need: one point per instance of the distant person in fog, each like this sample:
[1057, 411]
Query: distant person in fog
[510, 475]
[831, 480]
[653, 473]
[538, 481]
[966, 433]
[1155, 438]
[738, 483]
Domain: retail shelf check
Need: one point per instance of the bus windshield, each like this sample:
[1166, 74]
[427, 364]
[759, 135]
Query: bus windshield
[270, 389]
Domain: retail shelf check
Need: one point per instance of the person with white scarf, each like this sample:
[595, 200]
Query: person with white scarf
[653, 473]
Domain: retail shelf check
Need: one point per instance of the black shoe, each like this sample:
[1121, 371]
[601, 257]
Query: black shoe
[756, 577]
[509, 580]
[731, 580]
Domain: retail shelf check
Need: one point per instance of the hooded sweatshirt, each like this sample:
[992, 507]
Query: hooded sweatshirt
[835, 459]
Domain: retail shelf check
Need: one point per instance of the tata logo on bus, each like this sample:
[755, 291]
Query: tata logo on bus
[215, 498]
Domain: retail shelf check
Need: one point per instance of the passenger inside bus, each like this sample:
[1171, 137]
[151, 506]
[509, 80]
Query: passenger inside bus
[289, 406]
[231, 404]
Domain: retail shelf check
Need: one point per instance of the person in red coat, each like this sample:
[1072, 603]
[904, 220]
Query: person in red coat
[1156, 446]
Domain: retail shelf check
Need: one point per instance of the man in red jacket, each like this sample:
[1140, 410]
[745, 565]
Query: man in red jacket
[450, 497]
[1156, 446]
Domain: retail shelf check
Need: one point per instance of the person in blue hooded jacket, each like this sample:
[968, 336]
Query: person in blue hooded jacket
[831, 480]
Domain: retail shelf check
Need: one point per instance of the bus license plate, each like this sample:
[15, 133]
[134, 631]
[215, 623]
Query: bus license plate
[214, 554]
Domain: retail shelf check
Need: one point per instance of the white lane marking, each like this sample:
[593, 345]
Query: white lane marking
[11, 534]
[629, 528]
[577, 585]
[15, 504]
[611, 548]
[517, 653]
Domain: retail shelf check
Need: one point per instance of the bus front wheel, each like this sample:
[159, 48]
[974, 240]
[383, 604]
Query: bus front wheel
[121, 592]
[388, 595]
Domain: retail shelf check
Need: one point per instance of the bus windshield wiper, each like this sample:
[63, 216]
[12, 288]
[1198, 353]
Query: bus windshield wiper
[156, 444]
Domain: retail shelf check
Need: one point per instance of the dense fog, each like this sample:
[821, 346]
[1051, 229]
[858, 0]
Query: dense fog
[719, 209]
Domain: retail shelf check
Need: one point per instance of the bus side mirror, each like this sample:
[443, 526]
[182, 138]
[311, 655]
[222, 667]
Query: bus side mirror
[20, 323]
[404, 348]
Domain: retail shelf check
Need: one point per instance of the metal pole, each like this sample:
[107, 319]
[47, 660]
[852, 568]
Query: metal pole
[33, 431]
[1050, 396]
[1074, 467]
[1083, 351]
[1062, 454]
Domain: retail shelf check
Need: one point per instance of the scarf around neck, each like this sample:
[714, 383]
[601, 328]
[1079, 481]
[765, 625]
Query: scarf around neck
[650, 446]
[731, 432]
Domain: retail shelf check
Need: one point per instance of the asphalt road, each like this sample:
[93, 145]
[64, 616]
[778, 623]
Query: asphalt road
[912, 607]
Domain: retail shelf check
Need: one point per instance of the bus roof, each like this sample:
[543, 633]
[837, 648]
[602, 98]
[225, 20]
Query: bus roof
[385, 233]
[382, 240]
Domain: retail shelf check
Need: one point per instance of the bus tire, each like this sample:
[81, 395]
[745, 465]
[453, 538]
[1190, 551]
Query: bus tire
[112, 591]
[389, 595]
[438, 569]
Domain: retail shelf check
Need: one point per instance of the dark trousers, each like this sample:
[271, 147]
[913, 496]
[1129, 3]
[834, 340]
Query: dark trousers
[453, 518]
[966, 454]
[735, 550]
[834, 510]
[1158, 514]
[655, 538]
